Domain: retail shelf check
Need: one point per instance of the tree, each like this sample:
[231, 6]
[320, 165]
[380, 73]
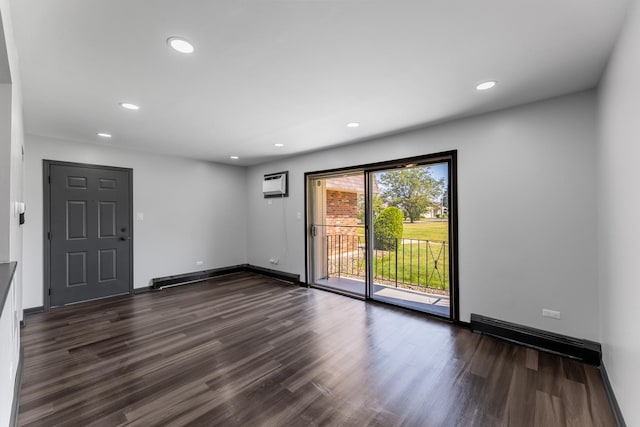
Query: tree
[387, 228]
[378, 206]
[411, 189]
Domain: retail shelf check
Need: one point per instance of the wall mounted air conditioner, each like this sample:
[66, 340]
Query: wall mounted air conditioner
[275, 185]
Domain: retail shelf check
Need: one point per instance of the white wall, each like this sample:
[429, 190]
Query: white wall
[193, 211]
[5, 169]
[11, 165]
[16, 193]
[619, 219]
[527, 209]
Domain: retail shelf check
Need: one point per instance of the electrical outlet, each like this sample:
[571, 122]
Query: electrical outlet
[550, 313]
[199, 262]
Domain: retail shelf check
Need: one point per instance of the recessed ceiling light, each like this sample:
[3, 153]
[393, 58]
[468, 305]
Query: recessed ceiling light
[353, 125]
[104, 135]
[234, 157]
[486, 85]
[129, 106]
[278, 145]
[180, 44]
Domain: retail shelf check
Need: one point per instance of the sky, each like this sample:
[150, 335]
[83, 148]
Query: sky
[439, 171]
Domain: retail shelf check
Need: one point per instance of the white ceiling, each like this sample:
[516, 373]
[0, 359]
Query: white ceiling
[294, 71]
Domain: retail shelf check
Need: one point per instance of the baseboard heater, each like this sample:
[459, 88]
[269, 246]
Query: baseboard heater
[198, 276]
[587, 351]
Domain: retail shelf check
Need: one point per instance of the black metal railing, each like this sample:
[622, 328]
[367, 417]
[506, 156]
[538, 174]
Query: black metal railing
[406, 262]
[346, 256]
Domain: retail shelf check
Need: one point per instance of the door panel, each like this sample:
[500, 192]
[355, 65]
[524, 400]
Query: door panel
[76, 268]
[76, 219]
[338, 239]
[107, 219]
[90, 241]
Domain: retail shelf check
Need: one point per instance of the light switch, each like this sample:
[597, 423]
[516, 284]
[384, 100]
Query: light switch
[140, 216]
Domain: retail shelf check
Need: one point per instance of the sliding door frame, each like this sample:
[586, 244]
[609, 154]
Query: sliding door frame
[310, 210]
[449, 157]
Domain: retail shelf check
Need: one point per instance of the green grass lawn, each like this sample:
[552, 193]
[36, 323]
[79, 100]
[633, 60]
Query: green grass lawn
[423, 230]
[418, 264]
[427, 230]
[416, 261]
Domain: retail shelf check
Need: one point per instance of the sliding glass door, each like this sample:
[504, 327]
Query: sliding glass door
[386, 232]
[410, 251]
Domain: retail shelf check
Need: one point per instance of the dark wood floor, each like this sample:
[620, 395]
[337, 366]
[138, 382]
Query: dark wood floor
[247, 350]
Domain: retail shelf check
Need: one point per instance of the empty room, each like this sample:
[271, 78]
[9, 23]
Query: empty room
[319, 212]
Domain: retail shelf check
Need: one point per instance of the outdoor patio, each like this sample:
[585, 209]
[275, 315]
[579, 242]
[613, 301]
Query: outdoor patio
[423, 301]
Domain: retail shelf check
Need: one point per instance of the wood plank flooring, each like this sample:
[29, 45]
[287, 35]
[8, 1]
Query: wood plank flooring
[247, 350]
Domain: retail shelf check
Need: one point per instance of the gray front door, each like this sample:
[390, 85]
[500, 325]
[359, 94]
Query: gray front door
[90, 232]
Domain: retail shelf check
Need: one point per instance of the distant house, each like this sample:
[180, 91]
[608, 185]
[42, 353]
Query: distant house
[436, 210]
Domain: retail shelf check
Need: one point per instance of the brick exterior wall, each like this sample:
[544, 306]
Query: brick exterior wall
[341, 217]
[342, 210]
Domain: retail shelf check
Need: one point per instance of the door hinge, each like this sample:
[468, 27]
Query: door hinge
[49, 291]
[49, 235]
[49, 179]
